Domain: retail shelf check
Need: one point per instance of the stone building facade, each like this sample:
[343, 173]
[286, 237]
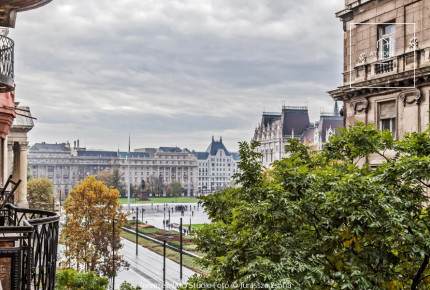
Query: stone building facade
[276, 128]
[386, 72]
[216, 167]
[65, 165]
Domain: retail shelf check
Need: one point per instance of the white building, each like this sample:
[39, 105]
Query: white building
[66, 166]
[293, 122]
[216, 167]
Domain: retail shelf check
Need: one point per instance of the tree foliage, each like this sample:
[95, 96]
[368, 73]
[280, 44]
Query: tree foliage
[39, 192]
[175, 189]
[155, 186]
[91, 208]
[69, 279]
[127, 286]
[113, 179]
[319, 220]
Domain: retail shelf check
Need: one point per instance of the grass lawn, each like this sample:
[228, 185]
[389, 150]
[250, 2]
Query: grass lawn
[196, 226]
[181, 199]
[187, 261]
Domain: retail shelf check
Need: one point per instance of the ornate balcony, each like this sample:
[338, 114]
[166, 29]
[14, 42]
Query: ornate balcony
[28, 248]
[6, 64]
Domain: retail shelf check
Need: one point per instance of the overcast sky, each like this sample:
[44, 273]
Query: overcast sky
[172, 72]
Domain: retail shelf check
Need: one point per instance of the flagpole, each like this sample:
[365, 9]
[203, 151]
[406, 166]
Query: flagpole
[128, 174]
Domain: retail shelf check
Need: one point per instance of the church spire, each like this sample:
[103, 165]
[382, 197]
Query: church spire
[336, 109]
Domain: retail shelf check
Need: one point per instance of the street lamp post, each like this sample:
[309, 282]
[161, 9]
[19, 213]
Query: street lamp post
[180, 251]
[60, 202]
[137, 236]
[113, 253]
[164, 264]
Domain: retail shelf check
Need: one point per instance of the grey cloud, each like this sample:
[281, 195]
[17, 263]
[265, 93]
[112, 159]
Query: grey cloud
[191, 68]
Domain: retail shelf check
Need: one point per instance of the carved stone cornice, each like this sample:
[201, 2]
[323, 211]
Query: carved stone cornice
[359, 105]
[410, 96]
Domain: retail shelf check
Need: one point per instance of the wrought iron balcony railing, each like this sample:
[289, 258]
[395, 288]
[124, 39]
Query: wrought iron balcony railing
[28, 248]
[6, 64]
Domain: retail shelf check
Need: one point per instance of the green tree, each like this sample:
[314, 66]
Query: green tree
[39, 192]
[29, 175]
[127, 286]
[155, 185]
[89, 233]
[69, 279]
[175, 188]
[113, 179]
[318, 220]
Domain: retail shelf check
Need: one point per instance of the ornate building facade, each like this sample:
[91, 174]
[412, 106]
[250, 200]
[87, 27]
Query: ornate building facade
[276, 128]
[217, 166]
[386, 72]
[66, 165]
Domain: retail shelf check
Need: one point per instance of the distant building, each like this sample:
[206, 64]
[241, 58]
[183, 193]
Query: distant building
[66, 165]
[293, 122]
[318, 133]
[216, 167]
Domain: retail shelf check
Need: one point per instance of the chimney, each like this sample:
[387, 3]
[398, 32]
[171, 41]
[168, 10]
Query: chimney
[77, 143]
[74, 144]
[220, 139]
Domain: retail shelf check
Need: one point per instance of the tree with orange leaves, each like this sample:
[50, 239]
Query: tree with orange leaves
[92, 228]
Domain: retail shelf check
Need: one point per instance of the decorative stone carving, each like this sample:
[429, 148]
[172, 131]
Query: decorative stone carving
[359, 105]
[410, 96]
[362, 57]
[413, 43]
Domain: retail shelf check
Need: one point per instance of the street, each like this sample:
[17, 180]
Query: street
[154, 213]
[146, 269]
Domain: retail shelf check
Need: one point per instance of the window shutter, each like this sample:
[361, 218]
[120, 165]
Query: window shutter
[387, 110]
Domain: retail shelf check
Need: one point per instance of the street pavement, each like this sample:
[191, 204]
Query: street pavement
[146, 269]
[154, 214]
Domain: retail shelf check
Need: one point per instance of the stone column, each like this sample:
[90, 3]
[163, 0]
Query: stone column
[9, 164]
[21, 193]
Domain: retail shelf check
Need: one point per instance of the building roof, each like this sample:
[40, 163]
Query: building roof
[21, 121]
[97, 153]
[236, 156]
[215, 146]
[295, 120]
[134, 154]
[49, 147]
[269, 118]
[101, 153]
[170, 149]
[327, 122]
[201, 155]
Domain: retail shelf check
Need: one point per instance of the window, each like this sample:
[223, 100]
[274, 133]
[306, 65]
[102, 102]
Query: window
[387, 116]
[386, 43]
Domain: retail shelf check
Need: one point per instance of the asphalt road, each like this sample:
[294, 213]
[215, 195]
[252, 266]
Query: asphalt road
[146, 269]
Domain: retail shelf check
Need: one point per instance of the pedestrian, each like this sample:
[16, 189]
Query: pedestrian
[192, 213]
